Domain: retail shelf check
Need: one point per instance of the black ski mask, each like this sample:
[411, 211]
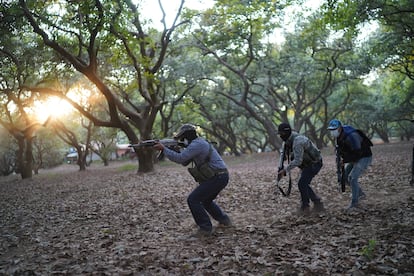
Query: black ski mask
[284, 131]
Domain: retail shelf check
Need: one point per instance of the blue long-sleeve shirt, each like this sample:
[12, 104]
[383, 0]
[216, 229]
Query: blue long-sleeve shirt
[352, 145]
[197, 151]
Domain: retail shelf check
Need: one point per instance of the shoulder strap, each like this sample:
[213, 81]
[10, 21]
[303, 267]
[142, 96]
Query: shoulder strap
[209, 152]
[208, 156]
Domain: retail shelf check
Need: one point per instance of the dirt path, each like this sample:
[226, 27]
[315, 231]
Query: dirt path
[107, 221]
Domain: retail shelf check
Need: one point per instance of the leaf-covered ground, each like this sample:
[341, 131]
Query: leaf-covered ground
[107, 221]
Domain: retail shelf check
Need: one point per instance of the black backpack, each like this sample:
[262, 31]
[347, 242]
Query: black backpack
[366, 143]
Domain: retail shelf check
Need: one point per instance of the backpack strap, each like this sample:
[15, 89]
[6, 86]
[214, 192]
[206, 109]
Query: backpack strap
[210, 150]
[365, 138]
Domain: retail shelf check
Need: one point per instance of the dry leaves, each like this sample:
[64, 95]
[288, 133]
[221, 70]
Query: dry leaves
[108, 222]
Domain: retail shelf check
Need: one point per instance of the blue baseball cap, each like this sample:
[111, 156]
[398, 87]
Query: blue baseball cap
[334, 124]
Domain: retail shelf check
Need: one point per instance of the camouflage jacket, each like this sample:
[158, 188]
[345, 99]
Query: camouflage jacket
[303, 152]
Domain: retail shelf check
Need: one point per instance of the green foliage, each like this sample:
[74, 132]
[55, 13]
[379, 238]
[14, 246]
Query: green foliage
[221, 72]
[230, 24]
[368, 251]
[11, 18]
[393, 43]
[343, 15]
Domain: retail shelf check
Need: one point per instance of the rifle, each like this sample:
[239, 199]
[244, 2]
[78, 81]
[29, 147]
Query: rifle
[412, 169]
[340, 170]
[282, 156]
[412, 164]
[172, 144]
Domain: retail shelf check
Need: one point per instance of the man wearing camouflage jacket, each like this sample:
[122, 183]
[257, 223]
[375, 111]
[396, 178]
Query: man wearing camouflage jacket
[306, 156]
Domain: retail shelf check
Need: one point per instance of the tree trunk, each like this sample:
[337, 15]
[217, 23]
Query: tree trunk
[82, 160]
[382, 134]
[25, 158]
[145, 160]
[26, 172]
[105, 161]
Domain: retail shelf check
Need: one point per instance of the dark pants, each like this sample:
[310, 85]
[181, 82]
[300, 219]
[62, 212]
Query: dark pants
[305, 179]
[201, 201]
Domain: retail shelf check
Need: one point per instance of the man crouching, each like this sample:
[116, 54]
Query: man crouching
[209, 170]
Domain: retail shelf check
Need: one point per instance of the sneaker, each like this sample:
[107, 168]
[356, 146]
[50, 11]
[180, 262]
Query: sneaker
[201, 233]
[362, 196]
[225, 223]
[352, 207]
[318, 207]
[304, 210]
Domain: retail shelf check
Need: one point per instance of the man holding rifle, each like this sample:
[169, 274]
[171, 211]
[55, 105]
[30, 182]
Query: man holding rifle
[354, 147]
[209, 170]
[307, 157]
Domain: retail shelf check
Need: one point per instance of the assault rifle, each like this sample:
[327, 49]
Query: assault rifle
[282, 157]
[168, 143]
[340, 170]
[412, 169]
[412, 164]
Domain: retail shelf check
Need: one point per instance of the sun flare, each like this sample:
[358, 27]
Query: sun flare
[53, 108]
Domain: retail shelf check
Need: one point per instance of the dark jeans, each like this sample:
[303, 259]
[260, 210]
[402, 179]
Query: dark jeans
[201, 201]
[306, 192]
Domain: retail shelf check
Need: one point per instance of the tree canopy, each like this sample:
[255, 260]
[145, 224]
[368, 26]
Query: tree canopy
[218, 68]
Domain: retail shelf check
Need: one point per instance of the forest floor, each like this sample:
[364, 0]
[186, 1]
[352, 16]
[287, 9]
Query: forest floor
[113, 221]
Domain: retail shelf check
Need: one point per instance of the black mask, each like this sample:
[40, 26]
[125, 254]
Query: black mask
[284, 135]
[189, 135]
[284, 131]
